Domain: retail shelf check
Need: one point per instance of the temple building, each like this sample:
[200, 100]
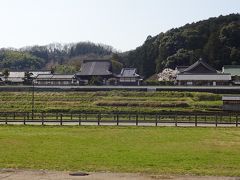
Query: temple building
[95, 68]
[129, 76]
[201, 74]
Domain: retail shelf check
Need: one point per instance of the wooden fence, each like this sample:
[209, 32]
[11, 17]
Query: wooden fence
[182, 119]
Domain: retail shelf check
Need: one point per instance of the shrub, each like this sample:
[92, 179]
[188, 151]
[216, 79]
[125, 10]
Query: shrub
[158, 83]
[96, 80]
[207, 97]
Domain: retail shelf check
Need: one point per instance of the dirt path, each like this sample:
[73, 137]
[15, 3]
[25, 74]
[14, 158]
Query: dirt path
[8, 174]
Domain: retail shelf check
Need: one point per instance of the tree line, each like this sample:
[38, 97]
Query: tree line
[216, 40]
[56, 56]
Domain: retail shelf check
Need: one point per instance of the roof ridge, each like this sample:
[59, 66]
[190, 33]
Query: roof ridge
[200, 61]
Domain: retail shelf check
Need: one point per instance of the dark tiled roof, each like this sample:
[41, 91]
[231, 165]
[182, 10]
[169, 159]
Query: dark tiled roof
[95, 68]
[199, 67]
[128, 72]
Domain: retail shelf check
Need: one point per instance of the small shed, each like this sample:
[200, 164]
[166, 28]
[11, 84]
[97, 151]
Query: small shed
[231, 103]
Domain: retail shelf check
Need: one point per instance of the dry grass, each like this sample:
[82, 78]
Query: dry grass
[145, 102]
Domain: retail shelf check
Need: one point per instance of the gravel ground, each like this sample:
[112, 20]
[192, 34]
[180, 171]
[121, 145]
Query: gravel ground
[11, 174]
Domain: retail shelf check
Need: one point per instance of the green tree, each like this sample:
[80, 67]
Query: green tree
[6, 74]
[28, 77]
[96, 80]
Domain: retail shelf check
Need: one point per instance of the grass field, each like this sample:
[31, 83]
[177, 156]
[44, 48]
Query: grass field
[114, 101]
[200, 151]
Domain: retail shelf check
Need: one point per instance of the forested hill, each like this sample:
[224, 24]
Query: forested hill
[216, 40]
[64, 58]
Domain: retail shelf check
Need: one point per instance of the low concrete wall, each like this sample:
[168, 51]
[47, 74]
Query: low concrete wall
[216, 89]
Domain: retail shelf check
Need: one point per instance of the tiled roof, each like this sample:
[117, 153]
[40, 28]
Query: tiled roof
[63, 76]
[231, 98]
[128, 72]
[36, 73]
[181, 68]
[234, 70]
[13, 74]
[55, 76]
[44, 76]
[199, 67]
[95, 68]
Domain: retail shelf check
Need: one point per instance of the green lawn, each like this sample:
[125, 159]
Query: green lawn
[200, 151]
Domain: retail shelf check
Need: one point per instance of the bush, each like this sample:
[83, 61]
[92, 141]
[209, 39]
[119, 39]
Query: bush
[207, 97]
[96, 80]
[158, 83]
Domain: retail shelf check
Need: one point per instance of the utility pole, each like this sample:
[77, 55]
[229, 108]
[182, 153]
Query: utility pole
[32, 99]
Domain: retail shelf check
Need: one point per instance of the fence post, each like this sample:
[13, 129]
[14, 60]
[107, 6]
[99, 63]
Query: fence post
[196, 117]
[117, 119]
[24, 119]
[216, 121]
[61, 123]
[136, 119]
[79, 119]
[175, 120]
[99, 116]
[237, 121]
[156, 120]
[42, 119]
[28, 116]
[14, 116]
[6, 119]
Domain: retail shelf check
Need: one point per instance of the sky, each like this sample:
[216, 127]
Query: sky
[123, 24]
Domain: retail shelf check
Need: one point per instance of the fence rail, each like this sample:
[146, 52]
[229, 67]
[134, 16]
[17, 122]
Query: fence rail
[136, 119]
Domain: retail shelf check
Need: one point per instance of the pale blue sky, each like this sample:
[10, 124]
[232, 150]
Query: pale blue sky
[123, 24]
